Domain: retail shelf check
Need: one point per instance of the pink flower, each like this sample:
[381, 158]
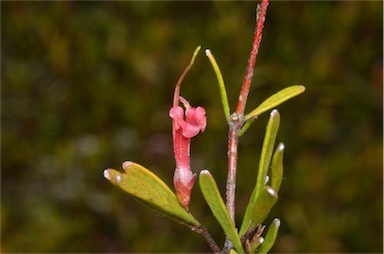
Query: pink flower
[183, 129]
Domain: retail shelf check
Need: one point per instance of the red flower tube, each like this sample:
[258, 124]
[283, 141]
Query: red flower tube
[185, 127]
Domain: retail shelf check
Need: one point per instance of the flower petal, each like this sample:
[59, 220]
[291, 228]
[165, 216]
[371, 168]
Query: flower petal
[190, 130]
[177, 114]
[196, 116]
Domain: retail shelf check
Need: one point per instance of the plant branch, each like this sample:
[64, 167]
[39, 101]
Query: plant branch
[233, 140]
[237, 118]
[204, 232]
[260, 17]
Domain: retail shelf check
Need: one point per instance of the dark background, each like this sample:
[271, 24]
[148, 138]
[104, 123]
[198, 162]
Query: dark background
[88, 85]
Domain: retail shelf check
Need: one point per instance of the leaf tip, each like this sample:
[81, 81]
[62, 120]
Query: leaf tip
[112, 175]
[303, 88]
[277, 222]
[126, 164]
[107, 175]
[274, 112]
[281, 147]
[205, 172]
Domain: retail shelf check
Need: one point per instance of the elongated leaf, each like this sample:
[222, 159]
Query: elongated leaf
[270, 238]
[276, 99]
[220, 80]
[262, 206]
[149, 189]
[246, 126]
[256, 244]
[266, 151]
[277, 168]
[215, 202]
[265, 159]
[265, 201]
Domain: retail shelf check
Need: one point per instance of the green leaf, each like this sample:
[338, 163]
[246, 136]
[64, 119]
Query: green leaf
[274, 100]
[149, 189]
[277, 168]
[220, 80]
[246, 126]
[262, 206]
[270, 238]
[265, 201]
[216, 204]
[265, 159]
[256, 244]
[270, 103]
[267, 149]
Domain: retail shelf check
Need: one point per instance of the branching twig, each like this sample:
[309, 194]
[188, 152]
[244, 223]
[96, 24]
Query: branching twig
[237, 118]
[236, 121]
[204, 232]
[260, 16]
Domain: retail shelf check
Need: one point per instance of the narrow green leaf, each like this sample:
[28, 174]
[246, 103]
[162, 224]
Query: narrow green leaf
[277, 168]
[232, 251]
[265, 201]
[149, 189]
[262, 206]
[270, 238]
[246, 126]
[274, 100]
[248, 214]
[220, 80]
[265, 159]
[256, 244]
[216, 204]
[266, 151]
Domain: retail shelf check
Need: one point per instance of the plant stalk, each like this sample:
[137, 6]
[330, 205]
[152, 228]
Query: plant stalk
[237, 119]
[204, 232]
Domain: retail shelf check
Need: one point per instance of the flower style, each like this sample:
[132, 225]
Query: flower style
[183, 129]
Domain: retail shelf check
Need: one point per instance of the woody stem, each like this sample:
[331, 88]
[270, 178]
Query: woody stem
[237, 118]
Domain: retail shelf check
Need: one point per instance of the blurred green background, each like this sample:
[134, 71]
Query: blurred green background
[88, 85]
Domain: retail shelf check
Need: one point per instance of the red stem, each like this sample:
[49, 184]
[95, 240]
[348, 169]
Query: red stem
[237, 118]
[204, 232]
[261, 12]
[233, 138]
